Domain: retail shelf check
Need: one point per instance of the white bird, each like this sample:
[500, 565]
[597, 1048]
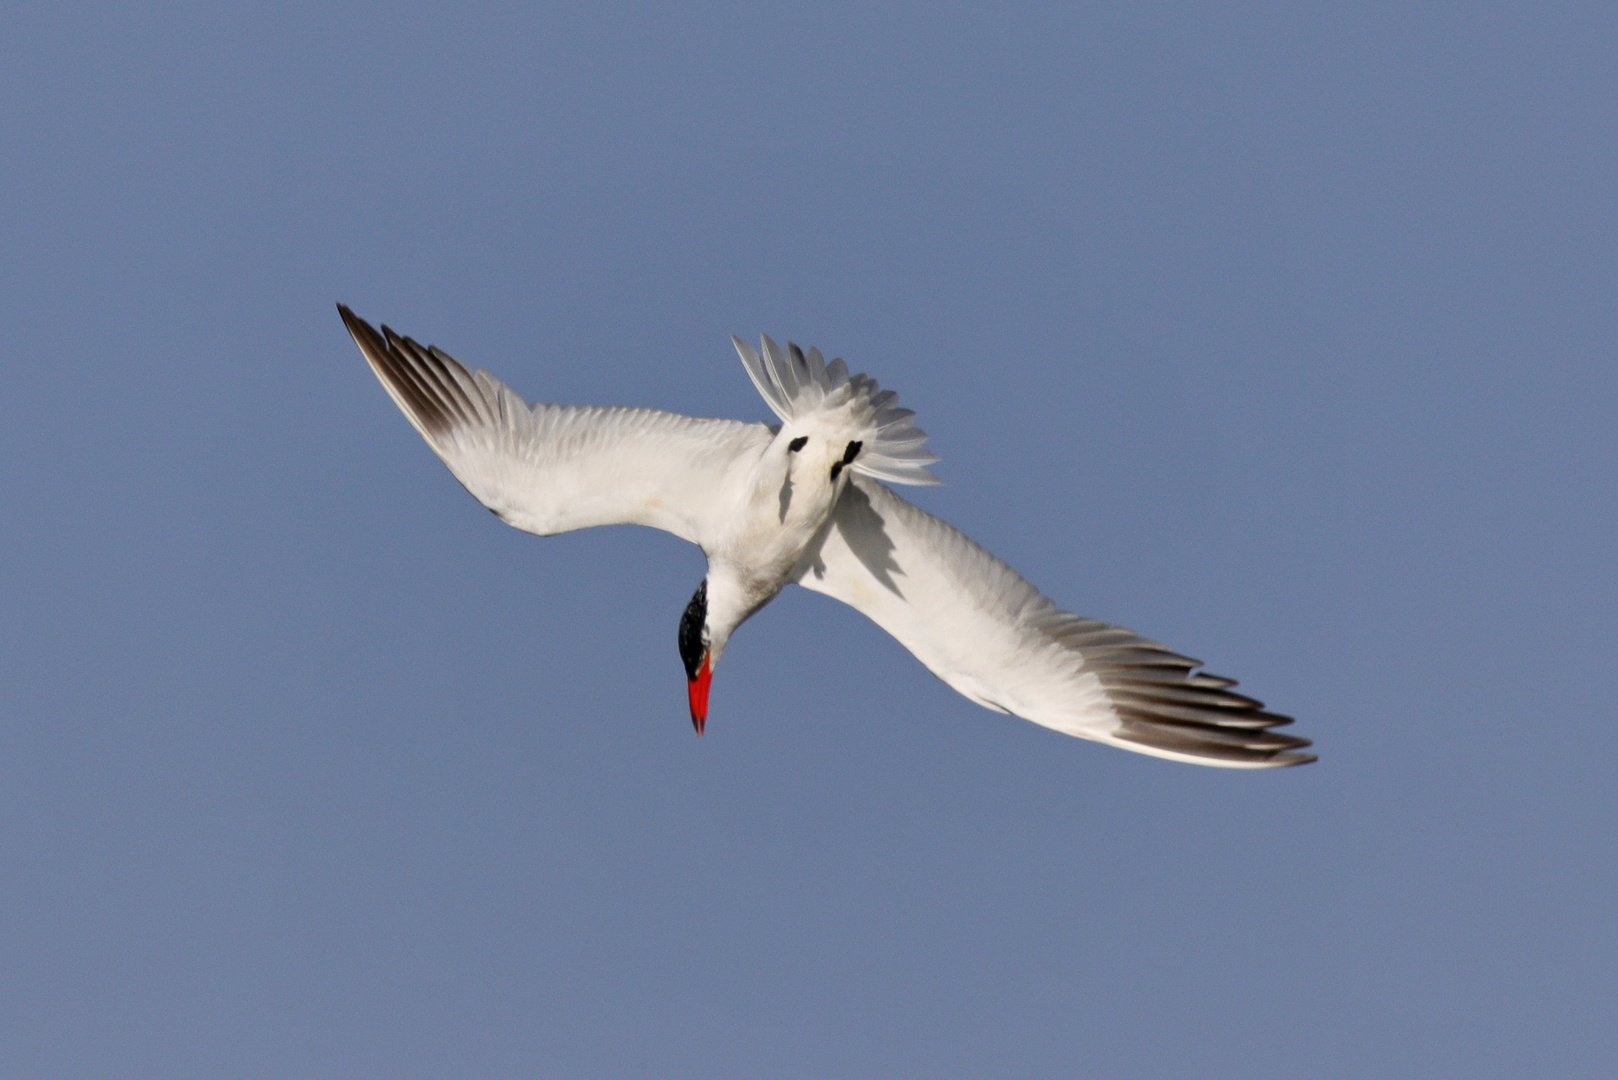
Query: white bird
[803, 502]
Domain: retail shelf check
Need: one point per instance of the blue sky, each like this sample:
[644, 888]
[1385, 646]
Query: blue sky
[1284, 336]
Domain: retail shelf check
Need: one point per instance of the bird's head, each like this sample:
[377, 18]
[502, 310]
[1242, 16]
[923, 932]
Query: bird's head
[720, 605]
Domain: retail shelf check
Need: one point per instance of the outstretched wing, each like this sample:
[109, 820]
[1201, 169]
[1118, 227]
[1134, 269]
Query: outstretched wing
[551, 468]
[985, 631]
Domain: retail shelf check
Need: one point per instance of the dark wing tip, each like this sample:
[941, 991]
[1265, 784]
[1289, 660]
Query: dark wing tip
[1213, 741]
[1200, 717]
[428, 384]
[361, 331]
[1162, 701]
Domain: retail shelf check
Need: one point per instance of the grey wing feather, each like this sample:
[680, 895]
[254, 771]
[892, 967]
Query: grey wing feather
[977, 625]
[550, 468]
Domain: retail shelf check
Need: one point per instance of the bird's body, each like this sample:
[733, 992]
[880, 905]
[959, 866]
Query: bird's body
[804, 503]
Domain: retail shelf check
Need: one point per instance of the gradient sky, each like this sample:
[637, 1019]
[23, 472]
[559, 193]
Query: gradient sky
[1283, 335]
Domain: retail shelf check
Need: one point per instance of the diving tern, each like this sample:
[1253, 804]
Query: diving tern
[804, 501]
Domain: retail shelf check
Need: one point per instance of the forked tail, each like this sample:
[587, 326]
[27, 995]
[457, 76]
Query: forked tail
[795, 384]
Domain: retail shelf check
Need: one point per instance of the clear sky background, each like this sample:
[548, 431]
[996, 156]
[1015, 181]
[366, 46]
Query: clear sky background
[1283, 335]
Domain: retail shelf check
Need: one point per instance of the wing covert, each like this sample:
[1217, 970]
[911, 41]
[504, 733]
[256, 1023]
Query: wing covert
[550, 468]
[985, 631]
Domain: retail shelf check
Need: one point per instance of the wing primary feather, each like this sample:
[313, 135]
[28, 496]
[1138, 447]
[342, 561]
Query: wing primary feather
[1177, 712]
[1181, 694]
[435, 376]
[1125, 657]
[1201, 743]
[1210, 682]
[465, 385]
[422, 407]
[1257, 739]
[407, 389]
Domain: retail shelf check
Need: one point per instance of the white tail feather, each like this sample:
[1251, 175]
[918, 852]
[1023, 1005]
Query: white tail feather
[795, 383]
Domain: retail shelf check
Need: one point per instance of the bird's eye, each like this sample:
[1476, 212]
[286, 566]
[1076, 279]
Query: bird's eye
[798, 444]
